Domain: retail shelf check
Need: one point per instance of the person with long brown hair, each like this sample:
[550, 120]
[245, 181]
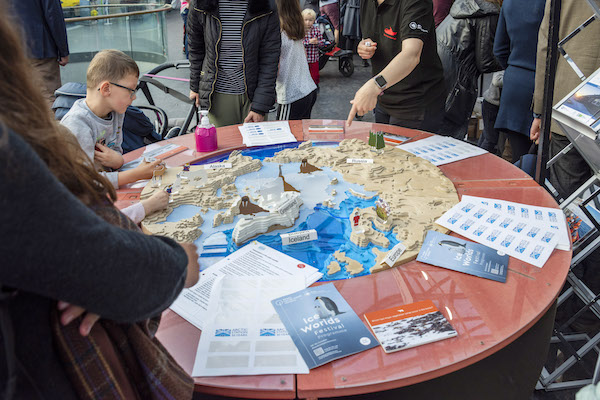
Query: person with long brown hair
[55, 247]
[296, 90]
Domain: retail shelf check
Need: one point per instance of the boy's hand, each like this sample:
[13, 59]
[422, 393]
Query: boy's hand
[313, 41]
[194, 96]
[193, 268]
[254, 117]
[158, 201]
[145, 169]
[108, 157]
[366, 48]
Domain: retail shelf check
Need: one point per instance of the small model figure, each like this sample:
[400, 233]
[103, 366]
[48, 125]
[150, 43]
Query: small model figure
[356, 218]
[186, 167]
[376, 140]
[382, 209]
[169, 189]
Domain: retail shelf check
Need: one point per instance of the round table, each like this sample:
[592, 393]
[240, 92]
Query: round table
[503, 328]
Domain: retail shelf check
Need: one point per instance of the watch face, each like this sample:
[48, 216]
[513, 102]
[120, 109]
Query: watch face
[381, 82]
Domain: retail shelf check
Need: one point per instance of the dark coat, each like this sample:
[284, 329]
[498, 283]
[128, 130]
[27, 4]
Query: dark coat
[515, 48]
[465, 41]
[43, 23]
[261, 43]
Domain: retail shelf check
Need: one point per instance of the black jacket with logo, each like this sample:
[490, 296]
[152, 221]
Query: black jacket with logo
[261, 45]
[388, 25]
[465, 42]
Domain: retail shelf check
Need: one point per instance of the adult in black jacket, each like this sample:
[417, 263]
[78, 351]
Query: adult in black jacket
[242, 80]
[465, 43]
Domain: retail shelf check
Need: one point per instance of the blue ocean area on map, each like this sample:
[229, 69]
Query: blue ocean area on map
[332, 224]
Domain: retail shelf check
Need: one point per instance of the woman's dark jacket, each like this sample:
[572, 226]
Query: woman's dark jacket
[261, 43]
[465, 42]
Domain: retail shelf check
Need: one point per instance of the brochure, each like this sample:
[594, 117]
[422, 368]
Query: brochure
[463, 256]
[322, 325]
[266, 133]
[254, 259]
[410, 325]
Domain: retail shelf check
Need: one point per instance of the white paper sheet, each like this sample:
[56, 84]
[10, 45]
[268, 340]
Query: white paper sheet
[441, 150]
[254, 259]
[266, 133]
[528, 241]
[245, 335]
[551, 216]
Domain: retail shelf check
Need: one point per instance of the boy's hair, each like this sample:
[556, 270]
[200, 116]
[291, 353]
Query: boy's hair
[110, 65]
[309, 12]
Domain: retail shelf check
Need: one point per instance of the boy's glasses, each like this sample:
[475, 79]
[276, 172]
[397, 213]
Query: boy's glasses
[132, 91]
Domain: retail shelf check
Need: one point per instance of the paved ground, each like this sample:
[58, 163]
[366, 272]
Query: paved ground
[333, 103]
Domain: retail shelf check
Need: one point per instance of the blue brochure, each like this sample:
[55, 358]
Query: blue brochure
[322, 325]
[464, 256]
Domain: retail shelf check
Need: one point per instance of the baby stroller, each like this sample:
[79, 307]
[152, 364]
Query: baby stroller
[329, 49]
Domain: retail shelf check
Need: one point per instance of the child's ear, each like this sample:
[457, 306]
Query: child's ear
[104, 88]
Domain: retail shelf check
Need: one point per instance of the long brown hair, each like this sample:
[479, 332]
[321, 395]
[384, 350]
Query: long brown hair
[24, 110]
[290, 18]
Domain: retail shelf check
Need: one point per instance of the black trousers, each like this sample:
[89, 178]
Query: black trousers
[429, 120]
[300, 109]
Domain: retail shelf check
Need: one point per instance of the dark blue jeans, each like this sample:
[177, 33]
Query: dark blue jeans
[489, 137]
[184, 16]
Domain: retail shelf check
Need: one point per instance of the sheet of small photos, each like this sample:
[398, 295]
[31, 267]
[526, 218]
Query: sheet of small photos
[245, 335]
[441, 150]
[504, 226]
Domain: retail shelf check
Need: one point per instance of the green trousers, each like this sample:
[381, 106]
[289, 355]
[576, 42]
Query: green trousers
[228, 109]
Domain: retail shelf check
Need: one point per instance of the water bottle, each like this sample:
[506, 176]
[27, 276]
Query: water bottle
[206, 134]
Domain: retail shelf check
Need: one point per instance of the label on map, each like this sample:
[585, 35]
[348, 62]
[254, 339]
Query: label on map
[359, 160]
[394, 254]
[298, 237]
[218, 166]
[285, 207]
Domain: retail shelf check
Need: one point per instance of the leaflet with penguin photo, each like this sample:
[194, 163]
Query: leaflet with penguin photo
[322, 325]
[463, 256]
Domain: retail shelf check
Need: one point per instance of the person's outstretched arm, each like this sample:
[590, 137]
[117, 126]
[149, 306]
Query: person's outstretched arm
[54, 246]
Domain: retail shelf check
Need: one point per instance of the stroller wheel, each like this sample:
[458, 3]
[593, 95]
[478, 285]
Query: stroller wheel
[346, 66]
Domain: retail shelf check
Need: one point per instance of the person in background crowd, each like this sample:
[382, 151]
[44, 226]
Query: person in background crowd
[312, 40]
[465, 42]
[408, 84]
[441, 9]
[57, 248]
[515, 49]
[45, 32]
[234, 48]
[296, 90]
[490, 137]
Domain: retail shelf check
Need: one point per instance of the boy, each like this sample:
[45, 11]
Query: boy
[312, 41]
[97, 120]
[97, 123]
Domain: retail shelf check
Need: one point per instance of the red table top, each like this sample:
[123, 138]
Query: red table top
[487, 315]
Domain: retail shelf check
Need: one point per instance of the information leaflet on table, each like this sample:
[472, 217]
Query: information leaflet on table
[322, 325]
[254, 259]
[463, 256]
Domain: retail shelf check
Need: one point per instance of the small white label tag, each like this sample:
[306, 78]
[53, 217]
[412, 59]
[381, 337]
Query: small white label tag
[218, 166]
[394, 254]
[298, 237]
[285, 207]
[359, 160]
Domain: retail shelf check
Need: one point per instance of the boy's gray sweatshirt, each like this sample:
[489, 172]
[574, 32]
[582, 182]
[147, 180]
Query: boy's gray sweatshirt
[90, 129]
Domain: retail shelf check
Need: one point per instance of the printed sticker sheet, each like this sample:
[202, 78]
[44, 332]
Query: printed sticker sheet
[505, 230]
[441, 150]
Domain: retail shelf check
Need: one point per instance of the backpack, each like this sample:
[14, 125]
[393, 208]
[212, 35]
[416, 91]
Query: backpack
[326, 29]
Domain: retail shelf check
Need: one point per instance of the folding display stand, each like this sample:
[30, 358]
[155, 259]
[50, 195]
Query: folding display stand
[589, 149]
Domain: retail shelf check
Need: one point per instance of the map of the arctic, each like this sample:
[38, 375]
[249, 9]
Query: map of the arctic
[357, 211]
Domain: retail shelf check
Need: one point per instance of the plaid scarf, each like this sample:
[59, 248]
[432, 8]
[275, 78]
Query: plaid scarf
[119, 361]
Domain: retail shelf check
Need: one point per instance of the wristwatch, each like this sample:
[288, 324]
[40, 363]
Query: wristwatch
[380, 81]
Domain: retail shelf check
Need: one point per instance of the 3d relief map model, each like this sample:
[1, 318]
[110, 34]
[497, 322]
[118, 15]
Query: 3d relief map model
[364, 206]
